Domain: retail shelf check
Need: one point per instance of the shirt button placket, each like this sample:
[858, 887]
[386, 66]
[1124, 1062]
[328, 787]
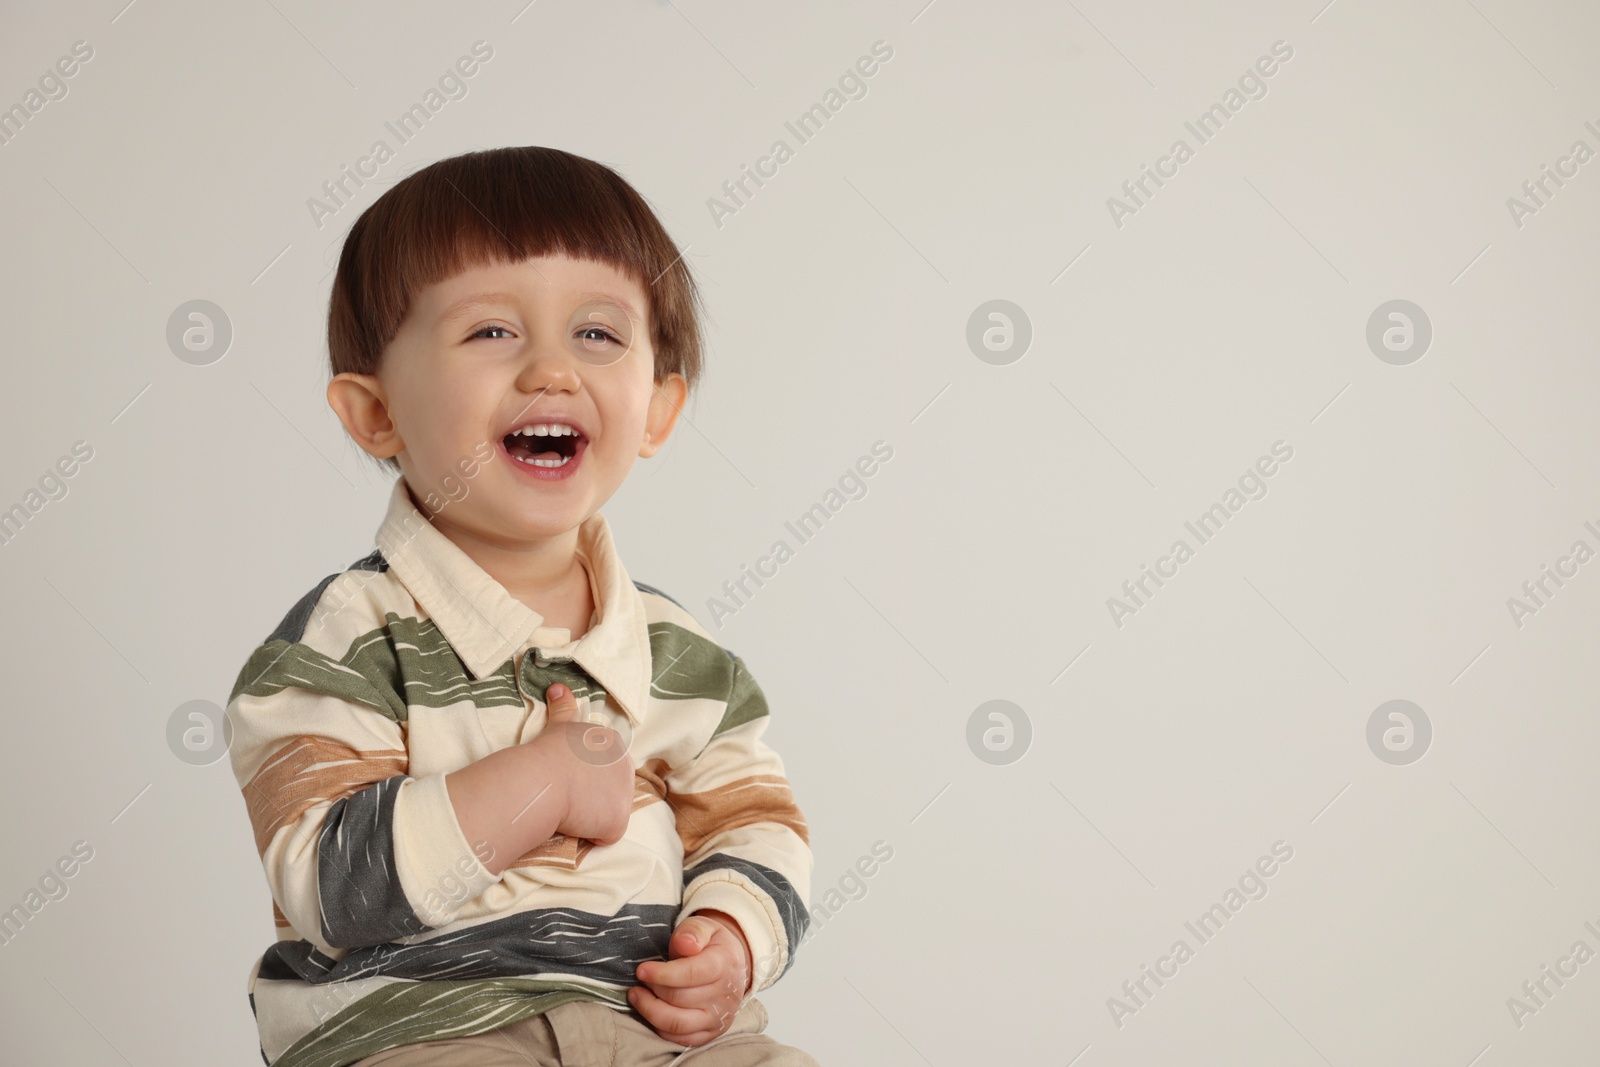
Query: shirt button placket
[533, 678]
[516, 673]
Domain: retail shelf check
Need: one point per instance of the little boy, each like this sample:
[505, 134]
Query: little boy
[513, 807]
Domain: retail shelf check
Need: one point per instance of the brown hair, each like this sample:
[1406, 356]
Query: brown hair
[505, 205]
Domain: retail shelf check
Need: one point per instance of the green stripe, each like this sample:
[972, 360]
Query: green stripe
[279, 665]
[536, 679]
[407, 1013]
[408, 662]
[746, 703]
[690, 667]
[405, 662]
[687, 666]
[434, 675]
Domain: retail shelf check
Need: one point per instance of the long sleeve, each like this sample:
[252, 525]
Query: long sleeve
[746, 844]
[356, 851]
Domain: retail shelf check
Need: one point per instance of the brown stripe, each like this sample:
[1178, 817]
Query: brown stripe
[308, 771]
[560, 851]
[279, 919]
[758, 798]
[650, 782]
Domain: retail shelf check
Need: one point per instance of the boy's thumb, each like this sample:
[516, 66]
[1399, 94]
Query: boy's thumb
[697, 930]
[563, 706]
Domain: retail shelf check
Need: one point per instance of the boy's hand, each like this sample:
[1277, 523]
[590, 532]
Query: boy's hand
[692, 997]
[593, 767]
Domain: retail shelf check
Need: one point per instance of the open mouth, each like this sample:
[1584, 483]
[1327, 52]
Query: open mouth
[549, 445]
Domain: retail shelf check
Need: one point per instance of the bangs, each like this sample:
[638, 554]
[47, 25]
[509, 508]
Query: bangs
[505, 205]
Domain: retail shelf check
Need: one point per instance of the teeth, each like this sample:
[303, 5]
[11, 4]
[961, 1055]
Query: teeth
[562, 462]
[547, 429]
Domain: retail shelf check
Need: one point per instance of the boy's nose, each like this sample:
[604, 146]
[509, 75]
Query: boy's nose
[548, 367]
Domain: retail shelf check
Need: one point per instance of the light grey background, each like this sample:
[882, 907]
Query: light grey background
[1167, 355]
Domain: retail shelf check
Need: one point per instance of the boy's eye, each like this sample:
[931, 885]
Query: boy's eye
[486, 329]
[597, 333]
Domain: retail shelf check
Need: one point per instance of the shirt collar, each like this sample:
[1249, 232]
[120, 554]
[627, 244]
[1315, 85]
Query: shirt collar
[486, 625]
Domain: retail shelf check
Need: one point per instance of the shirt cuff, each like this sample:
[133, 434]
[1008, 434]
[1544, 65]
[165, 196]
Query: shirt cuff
[758, 920]
[438, 869]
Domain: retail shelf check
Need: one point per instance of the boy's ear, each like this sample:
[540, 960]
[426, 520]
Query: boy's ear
[359, 402]
[665, 404]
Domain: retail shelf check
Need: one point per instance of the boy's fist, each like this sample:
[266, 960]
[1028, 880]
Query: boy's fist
[692, 997]
[592, 768]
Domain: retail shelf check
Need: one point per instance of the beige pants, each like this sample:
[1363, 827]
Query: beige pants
[585, 1033]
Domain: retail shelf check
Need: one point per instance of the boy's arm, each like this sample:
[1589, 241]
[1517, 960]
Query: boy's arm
[356, 851]
[747, 849]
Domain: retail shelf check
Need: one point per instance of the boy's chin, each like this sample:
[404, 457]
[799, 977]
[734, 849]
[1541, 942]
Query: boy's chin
[543, 520]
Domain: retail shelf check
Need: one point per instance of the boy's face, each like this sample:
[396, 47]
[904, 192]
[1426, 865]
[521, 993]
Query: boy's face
[507, 347]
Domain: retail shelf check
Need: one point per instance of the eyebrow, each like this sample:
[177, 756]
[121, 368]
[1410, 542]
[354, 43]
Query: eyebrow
[474, 301]
[608, 298]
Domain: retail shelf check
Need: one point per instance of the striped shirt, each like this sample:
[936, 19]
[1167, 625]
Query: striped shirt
[415, 662]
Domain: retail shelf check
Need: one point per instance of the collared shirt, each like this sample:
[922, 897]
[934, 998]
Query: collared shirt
[414, 663]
